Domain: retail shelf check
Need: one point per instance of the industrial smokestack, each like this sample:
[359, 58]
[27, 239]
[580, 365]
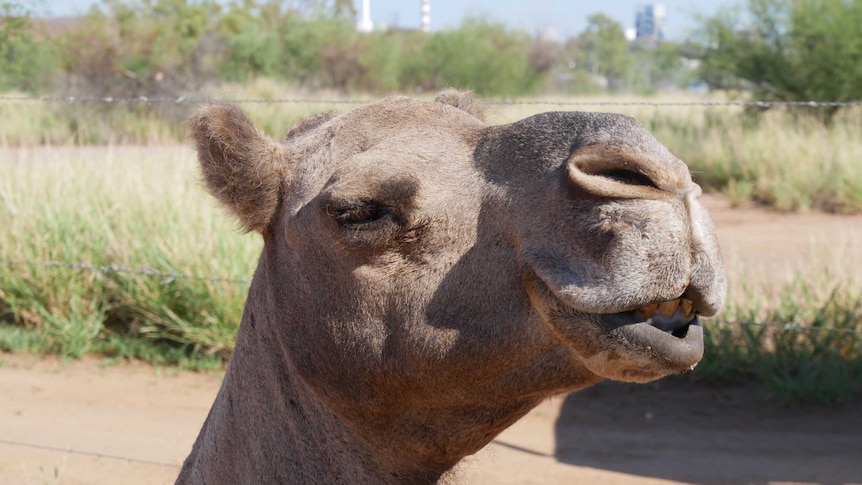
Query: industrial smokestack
[426, 15]
[364, 24]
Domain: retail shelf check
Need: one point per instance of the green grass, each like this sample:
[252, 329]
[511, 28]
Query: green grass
[131, 207]
[809, 350]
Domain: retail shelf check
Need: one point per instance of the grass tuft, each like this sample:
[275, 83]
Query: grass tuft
[809, 351]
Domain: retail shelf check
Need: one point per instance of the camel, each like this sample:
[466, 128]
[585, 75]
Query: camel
[426, 279]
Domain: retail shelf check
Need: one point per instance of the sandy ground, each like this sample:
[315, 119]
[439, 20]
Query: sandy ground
[85, 422]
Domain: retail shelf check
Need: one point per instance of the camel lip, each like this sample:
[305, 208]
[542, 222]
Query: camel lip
[679, 346]
[562, 284]
[674, 341]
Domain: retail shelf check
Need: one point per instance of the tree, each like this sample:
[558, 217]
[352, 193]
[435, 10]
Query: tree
[657, 66]
[479, 55]
[331, 9]
[787, 50]
[142, 47]
[603, 49]
[25, 60]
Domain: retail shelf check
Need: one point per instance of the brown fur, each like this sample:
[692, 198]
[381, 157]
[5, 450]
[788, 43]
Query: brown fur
[463, 101]
[427, 279]
[242, 170]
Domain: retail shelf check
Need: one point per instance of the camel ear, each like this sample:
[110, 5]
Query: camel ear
[242, 167]
[464, 101]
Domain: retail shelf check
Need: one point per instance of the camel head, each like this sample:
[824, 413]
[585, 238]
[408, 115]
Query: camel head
[419, 262]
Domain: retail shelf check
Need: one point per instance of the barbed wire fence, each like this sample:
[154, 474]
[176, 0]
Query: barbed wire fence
[504, 102]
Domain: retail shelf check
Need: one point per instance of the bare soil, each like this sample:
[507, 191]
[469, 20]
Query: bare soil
[86, 422]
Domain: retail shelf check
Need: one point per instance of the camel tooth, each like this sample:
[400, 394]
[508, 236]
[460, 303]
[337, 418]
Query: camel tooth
[668, 308]
[687, 306]
[647, 311]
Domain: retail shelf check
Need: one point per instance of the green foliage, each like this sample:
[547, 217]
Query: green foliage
[144, 47]
[788, 50]
[329, 53]
[604, 49]
[26, 61]
[253, 49]
[166, 48]
[481, 56]
[601, 59]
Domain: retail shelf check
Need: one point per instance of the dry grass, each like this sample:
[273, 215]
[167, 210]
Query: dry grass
[785, 160]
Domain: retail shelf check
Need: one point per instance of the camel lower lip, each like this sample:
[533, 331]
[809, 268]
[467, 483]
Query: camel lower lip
[679, 349]
[655, 344]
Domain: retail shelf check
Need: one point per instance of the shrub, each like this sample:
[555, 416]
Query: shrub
[26, 61]
[787, 50]
[481, 56]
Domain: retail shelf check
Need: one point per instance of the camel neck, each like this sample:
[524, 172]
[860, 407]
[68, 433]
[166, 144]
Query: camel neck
[269, 427]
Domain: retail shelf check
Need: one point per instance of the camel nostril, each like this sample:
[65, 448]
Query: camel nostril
[611, 172]
[624, 176]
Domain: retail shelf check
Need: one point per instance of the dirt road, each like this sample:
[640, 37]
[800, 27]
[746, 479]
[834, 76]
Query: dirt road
[668, 432]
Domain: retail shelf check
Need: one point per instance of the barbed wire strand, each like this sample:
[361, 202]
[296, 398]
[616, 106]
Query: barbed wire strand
[560, 102]
[167, 277]
[790, 326]
[94, 454]
[109, 269]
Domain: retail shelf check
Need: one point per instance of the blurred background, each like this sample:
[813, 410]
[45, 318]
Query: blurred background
[110, 248]
[779, 50]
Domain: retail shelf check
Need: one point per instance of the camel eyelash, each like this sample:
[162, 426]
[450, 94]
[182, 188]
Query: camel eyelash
[366, 223]
[359, 214]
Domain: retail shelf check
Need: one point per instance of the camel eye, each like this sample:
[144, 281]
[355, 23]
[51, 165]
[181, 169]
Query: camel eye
[365, 224]
[360, 215]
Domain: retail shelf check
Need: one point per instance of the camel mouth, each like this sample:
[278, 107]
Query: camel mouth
[671, 316]
[668, 332]
[636, 345]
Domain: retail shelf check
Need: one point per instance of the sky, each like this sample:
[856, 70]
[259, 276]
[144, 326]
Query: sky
[568, 18]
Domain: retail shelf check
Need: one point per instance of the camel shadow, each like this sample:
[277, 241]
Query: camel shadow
[679, 430]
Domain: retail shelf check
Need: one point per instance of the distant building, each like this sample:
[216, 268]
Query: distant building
[426, 16]
[364, 24]
[649, 22]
